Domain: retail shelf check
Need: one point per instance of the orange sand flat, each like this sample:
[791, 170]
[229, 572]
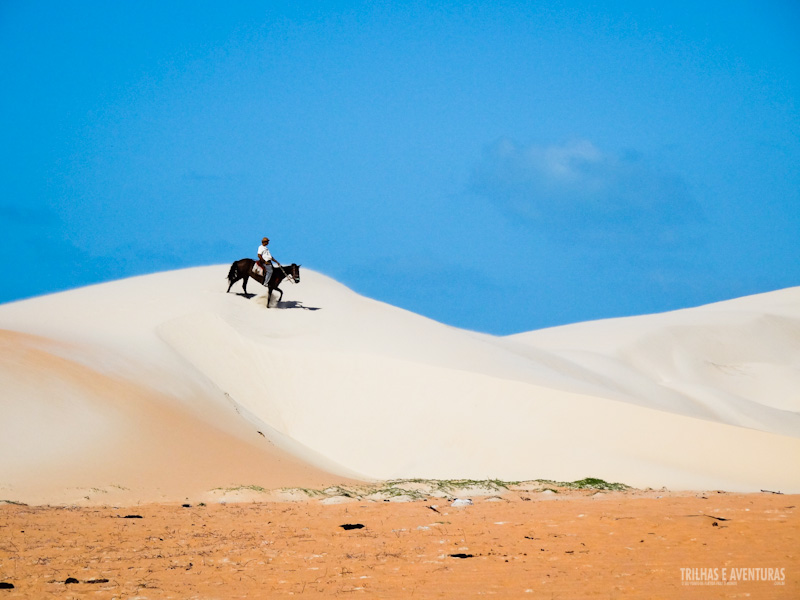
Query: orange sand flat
[574, 545]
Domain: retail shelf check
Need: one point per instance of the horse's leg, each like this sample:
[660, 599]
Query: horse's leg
[269, 296]
[281, 296]
[244, 283]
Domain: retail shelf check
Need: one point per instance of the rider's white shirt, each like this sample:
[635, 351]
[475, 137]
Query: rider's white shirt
[263, 252]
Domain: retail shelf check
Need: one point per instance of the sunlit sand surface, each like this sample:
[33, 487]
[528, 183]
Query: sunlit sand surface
[523, 545]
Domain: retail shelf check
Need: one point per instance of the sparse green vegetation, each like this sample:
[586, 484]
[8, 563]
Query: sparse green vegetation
[338, 490]
[588, 483]
[415, 489]
[307, 491]
[252, 488]
[420, 489]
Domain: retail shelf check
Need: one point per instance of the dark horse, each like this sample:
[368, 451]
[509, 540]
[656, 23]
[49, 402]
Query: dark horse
[243, 269]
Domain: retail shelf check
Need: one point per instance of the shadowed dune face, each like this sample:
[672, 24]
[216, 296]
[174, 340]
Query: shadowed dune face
[72, 431]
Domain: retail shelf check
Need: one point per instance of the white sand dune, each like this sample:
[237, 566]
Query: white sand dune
[163, 386]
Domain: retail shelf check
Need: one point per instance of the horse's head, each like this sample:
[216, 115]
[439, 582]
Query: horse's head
[294, 273]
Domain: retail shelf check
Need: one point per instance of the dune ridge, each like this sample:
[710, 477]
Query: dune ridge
[160, 386]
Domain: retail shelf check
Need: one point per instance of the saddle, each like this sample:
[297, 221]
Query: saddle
[257, 270]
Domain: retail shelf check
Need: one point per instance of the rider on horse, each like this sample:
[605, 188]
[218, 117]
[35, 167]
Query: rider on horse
[265, 259]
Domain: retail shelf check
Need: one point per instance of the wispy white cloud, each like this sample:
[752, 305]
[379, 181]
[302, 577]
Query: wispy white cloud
[578, 190]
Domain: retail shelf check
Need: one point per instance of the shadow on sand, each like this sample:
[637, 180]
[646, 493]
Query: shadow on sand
[286, 304]
[296, 304]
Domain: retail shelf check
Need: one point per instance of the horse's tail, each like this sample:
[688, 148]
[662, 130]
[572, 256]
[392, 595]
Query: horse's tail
[233, 274]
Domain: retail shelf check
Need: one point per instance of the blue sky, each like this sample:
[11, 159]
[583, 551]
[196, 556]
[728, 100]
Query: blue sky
[498, 166]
